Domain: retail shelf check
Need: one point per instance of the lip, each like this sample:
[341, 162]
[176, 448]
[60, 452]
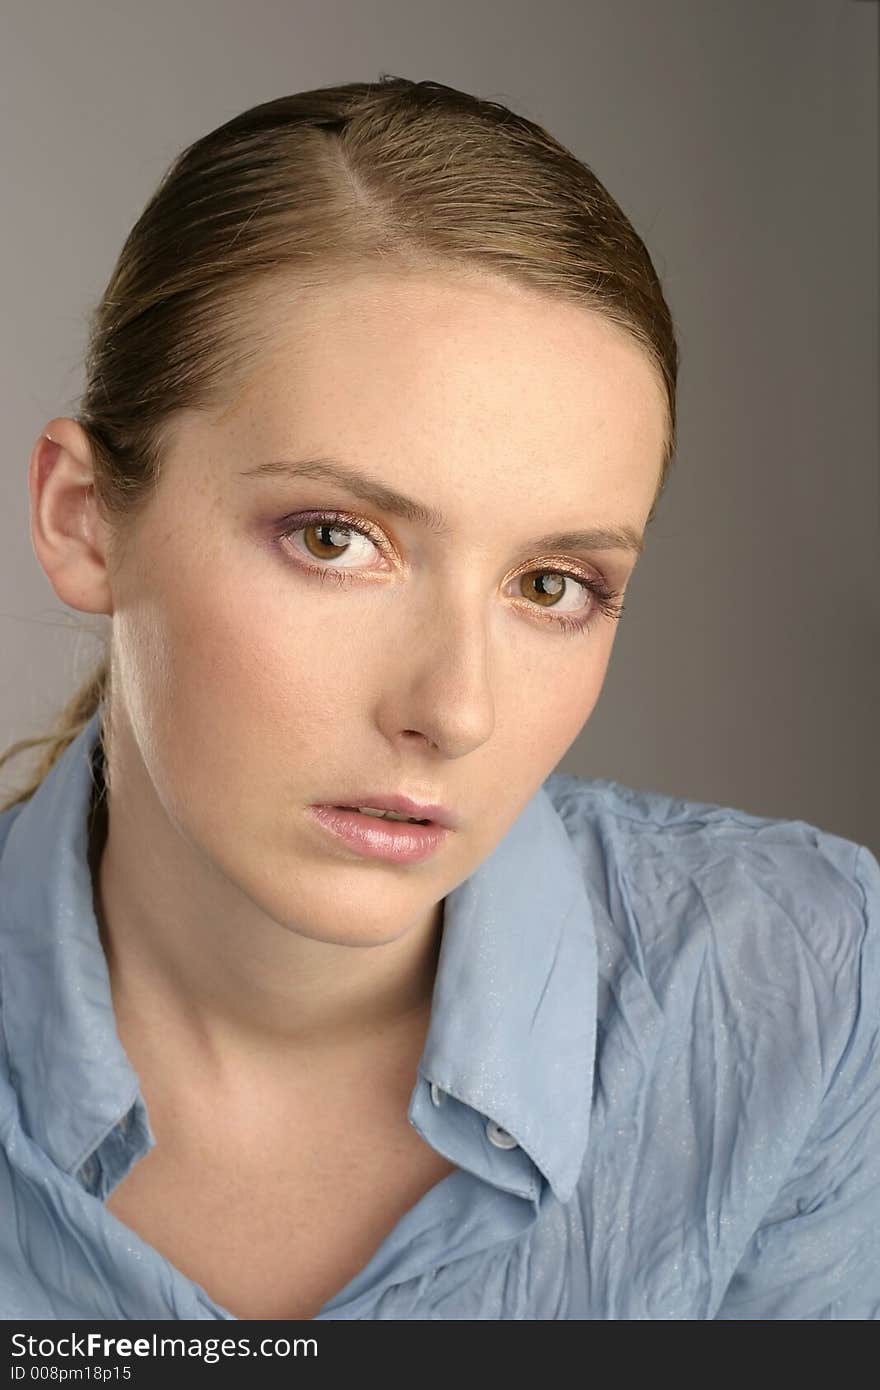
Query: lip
[396, 841]
[440, 815]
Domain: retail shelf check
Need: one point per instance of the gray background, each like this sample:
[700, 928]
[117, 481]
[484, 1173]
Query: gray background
[740, 137]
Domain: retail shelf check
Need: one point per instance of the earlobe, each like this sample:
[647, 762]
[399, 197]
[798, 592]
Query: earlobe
[65, 539]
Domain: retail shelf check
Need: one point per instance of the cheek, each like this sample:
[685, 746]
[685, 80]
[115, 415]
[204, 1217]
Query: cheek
[246, 664]
[552, 717]
[552, 693]
[546, 708]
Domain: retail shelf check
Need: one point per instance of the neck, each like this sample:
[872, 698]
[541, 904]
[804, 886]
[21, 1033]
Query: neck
[231, 996]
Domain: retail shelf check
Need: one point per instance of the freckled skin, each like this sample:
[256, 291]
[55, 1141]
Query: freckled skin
[245, 689]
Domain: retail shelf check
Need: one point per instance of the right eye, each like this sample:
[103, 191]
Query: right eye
[327, 538]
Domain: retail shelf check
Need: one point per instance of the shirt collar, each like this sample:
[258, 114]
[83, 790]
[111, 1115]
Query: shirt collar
[513, 1015]
[513, 1019]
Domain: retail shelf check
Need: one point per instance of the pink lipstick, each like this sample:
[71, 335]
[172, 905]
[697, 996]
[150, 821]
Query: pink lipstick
[400, 842]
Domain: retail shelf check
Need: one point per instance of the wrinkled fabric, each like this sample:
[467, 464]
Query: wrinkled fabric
[653, 1056]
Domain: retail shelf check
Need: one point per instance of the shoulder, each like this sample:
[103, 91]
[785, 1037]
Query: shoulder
[736, 1100]
[7, 818]
[768, 916]
[655, 844]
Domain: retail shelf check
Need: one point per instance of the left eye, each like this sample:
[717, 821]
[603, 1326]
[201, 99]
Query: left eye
[549, 584]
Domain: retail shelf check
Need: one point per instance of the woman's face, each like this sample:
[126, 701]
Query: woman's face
[247, 688]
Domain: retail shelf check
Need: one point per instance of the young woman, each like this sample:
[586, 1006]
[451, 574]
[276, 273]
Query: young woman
[380, 402]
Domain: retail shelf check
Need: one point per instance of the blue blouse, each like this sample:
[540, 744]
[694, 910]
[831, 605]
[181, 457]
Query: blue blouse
[653, 1057]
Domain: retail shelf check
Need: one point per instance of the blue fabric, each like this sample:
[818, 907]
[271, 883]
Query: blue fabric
[672, 1008]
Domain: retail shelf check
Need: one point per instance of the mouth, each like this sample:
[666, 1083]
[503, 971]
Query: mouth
[387, 816]
[379, 837]
[403, 809]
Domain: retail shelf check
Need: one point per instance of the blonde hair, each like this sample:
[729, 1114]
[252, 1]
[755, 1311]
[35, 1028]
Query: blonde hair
[312, 185]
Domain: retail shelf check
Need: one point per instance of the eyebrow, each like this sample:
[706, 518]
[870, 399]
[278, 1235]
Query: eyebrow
[370, 489]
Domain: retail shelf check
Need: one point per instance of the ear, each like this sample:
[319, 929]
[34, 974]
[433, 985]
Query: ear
[67, 532]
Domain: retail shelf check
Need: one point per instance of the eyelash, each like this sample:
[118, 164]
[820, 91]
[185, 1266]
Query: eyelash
[608, 600]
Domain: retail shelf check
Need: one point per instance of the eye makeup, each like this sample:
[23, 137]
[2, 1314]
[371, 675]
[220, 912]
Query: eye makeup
[605, 601]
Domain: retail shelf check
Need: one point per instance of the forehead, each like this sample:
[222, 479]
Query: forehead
[463, 327]
[449, 371]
